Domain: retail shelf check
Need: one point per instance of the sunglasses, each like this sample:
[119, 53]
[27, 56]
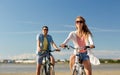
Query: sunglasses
[79, 22]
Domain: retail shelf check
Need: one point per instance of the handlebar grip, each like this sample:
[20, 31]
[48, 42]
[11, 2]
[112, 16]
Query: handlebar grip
[86, 47]
[66, 46]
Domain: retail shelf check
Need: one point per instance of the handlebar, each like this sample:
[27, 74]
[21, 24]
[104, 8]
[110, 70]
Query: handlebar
[46, 51]
[69, 46]
[49, 50]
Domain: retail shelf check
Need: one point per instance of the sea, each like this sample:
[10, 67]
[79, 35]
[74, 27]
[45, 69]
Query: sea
[17, 68]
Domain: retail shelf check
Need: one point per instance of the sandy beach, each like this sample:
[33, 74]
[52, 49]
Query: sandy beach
[68, 73]
[60, 69]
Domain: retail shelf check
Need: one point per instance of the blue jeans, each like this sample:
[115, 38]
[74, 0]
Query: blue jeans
[83, 56]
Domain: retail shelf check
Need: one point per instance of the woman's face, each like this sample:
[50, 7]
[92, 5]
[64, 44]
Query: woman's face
[79, 23]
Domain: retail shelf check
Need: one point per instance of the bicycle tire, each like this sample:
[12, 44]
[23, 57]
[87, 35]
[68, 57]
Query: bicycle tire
[83, 72]
[75, 72]
[51, 70]
[43, 70]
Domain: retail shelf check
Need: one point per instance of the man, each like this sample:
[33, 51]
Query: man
[44, 42]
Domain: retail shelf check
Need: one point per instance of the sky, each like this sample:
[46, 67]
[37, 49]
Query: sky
[21, 21]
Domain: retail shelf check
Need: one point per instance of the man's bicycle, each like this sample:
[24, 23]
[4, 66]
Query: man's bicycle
[78, 67]
[47, 68]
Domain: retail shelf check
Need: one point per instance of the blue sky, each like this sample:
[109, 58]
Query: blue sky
[21, 20]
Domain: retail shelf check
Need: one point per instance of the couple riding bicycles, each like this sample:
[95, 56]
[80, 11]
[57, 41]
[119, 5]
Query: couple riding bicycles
[81, 37]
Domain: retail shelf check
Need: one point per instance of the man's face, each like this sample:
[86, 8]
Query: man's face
[45, 31]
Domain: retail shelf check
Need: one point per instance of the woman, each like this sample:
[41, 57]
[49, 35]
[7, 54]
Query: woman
[81, 37]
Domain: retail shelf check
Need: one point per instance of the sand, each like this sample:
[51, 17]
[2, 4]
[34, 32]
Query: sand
[96, 71]
[117, 72]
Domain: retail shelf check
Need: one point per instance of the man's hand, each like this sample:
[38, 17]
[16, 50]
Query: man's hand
[63, 45]
[38, 49]
[58, 49]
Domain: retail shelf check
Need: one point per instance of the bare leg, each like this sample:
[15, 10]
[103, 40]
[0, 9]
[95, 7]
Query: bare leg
[52, 60]
[38, 69]
[72, 61]
[87, 66]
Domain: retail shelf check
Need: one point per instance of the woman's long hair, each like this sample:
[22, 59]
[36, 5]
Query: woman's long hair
[85, 30]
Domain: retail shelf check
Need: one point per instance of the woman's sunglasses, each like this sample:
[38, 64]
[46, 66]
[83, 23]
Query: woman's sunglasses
[79, 22]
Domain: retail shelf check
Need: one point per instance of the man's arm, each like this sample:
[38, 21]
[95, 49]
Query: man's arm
[55, 46]
[38, 46]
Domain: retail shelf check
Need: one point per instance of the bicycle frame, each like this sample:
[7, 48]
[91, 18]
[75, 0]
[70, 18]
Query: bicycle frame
[47, 67]
[78, 67]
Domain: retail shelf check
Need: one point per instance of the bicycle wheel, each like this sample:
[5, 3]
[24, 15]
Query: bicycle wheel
[83, 72]
[43, 70]
[51, 70]
[75, 72]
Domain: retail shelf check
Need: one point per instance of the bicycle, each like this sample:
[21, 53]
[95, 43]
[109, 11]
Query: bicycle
[78, 67]
[47, 68]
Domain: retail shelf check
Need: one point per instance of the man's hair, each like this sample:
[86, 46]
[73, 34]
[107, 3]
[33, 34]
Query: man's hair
[45, 27]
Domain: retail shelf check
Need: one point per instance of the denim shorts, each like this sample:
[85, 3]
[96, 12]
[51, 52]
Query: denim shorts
[40, 56]
[83, 56]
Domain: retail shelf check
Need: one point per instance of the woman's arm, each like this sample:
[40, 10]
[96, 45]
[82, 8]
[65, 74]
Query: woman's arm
[91, 42]
[66, 40]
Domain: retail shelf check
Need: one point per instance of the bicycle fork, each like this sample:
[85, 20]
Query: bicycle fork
[78, 66]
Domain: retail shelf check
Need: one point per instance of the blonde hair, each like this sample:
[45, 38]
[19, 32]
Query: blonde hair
[85, 30]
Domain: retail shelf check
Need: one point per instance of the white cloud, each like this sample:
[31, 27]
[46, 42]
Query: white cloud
[29, 22]
[104, 30]
[65, 54]
[95, 29]
[24, 56]
[69, 26]
[27, 32]
[60, 31]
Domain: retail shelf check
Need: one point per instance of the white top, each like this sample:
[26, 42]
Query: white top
[72, 36]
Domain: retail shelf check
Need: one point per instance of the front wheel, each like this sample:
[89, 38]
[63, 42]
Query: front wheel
[83, 72]
[75, 72]
[51, 71]
[43, 70]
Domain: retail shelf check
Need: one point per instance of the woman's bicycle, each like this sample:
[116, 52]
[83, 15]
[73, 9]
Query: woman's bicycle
[78, 67]
[47, 68]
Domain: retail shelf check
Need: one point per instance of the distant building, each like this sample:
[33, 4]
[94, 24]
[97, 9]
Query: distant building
[7, 61]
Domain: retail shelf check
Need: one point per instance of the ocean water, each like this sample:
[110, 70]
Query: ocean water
[13, 68]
